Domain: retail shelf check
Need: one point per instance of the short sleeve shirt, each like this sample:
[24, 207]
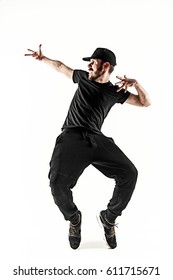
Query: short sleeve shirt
[92, 102]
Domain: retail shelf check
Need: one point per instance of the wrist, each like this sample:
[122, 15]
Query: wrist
[136, 84]
[42, 57]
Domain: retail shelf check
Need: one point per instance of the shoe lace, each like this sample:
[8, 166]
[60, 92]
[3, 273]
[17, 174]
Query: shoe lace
[73, 230]
[112, 230]
[116, 225]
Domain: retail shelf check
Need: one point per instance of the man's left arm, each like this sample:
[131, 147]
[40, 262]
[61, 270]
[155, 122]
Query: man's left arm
[141, 98]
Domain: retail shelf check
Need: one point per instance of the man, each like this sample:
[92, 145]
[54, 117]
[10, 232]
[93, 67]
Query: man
[82, 143]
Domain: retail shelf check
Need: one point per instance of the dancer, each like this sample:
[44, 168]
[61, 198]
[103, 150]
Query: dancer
[82, 143]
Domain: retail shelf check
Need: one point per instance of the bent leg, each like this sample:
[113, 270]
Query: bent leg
[63, 197]
[125, 185]
[113, 163]
[70, 157]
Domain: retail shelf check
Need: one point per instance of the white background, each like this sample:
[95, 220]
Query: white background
[34, 104]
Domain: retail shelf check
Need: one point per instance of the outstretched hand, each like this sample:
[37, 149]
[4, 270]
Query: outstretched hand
[37, 55]
[125, 82]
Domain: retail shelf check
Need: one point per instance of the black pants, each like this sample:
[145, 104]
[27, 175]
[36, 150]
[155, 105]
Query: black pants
[74, 151]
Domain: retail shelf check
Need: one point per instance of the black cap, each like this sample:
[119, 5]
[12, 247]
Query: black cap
[103, 54]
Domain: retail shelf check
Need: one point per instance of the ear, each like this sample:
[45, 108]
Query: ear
[106, 66]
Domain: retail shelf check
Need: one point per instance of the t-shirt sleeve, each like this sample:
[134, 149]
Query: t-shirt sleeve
[122, 96]
[78, 74]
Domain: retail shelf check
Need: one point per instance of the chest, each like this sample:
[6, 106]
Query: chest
[95, 95]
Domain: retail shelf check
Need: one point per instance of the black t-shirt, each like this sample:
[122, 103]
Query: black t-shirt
[92, 102]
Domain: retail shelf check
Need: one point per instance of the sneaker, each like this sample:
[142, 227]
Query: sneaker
[75, 233]
[109, 230]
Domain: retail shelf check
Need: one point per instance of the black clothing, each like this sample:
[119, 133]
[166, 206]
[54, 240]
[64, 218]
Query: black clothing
[92, 102]
[81, 143]
[74, 151]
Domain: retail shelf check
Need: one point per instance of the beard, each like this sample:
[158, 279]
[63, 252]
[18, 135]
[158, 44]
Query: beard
[93, 76]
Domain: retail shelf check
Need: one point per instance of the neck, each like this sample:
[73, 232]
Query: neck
[103, 78]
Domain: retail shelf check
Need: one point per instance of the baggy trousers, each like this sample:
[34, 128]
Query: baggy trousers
[75, 150]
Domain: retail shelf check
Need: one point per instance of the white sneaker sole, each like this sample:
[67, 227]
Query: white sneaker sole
[102, 229]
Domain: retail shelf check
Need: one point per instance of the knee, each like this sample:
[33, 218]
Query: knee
[59, 193]
[133, 173]
[55, 189]
[57, 182]
[61, 188]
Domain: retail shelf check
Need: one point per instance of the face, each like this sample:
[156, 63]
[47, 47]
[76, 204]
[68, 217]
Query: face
[95, 69]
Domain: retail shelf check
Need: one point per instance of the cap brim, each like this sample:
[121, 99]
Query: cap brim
[86, 58]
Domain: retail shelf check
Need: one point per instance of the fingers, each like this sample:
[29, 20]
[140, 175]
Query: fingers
[119, 82]
[36, 55]
[120, 78]
[31, 50]
[27, 54]
[122, 82]
[120, 87]
[126, 86]
[125, 82]
[30, 54]
[33, 53]
[39, 52]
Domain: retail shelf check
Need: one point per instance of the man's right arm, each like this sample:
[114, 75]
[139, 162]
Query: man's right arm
[57, 65]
